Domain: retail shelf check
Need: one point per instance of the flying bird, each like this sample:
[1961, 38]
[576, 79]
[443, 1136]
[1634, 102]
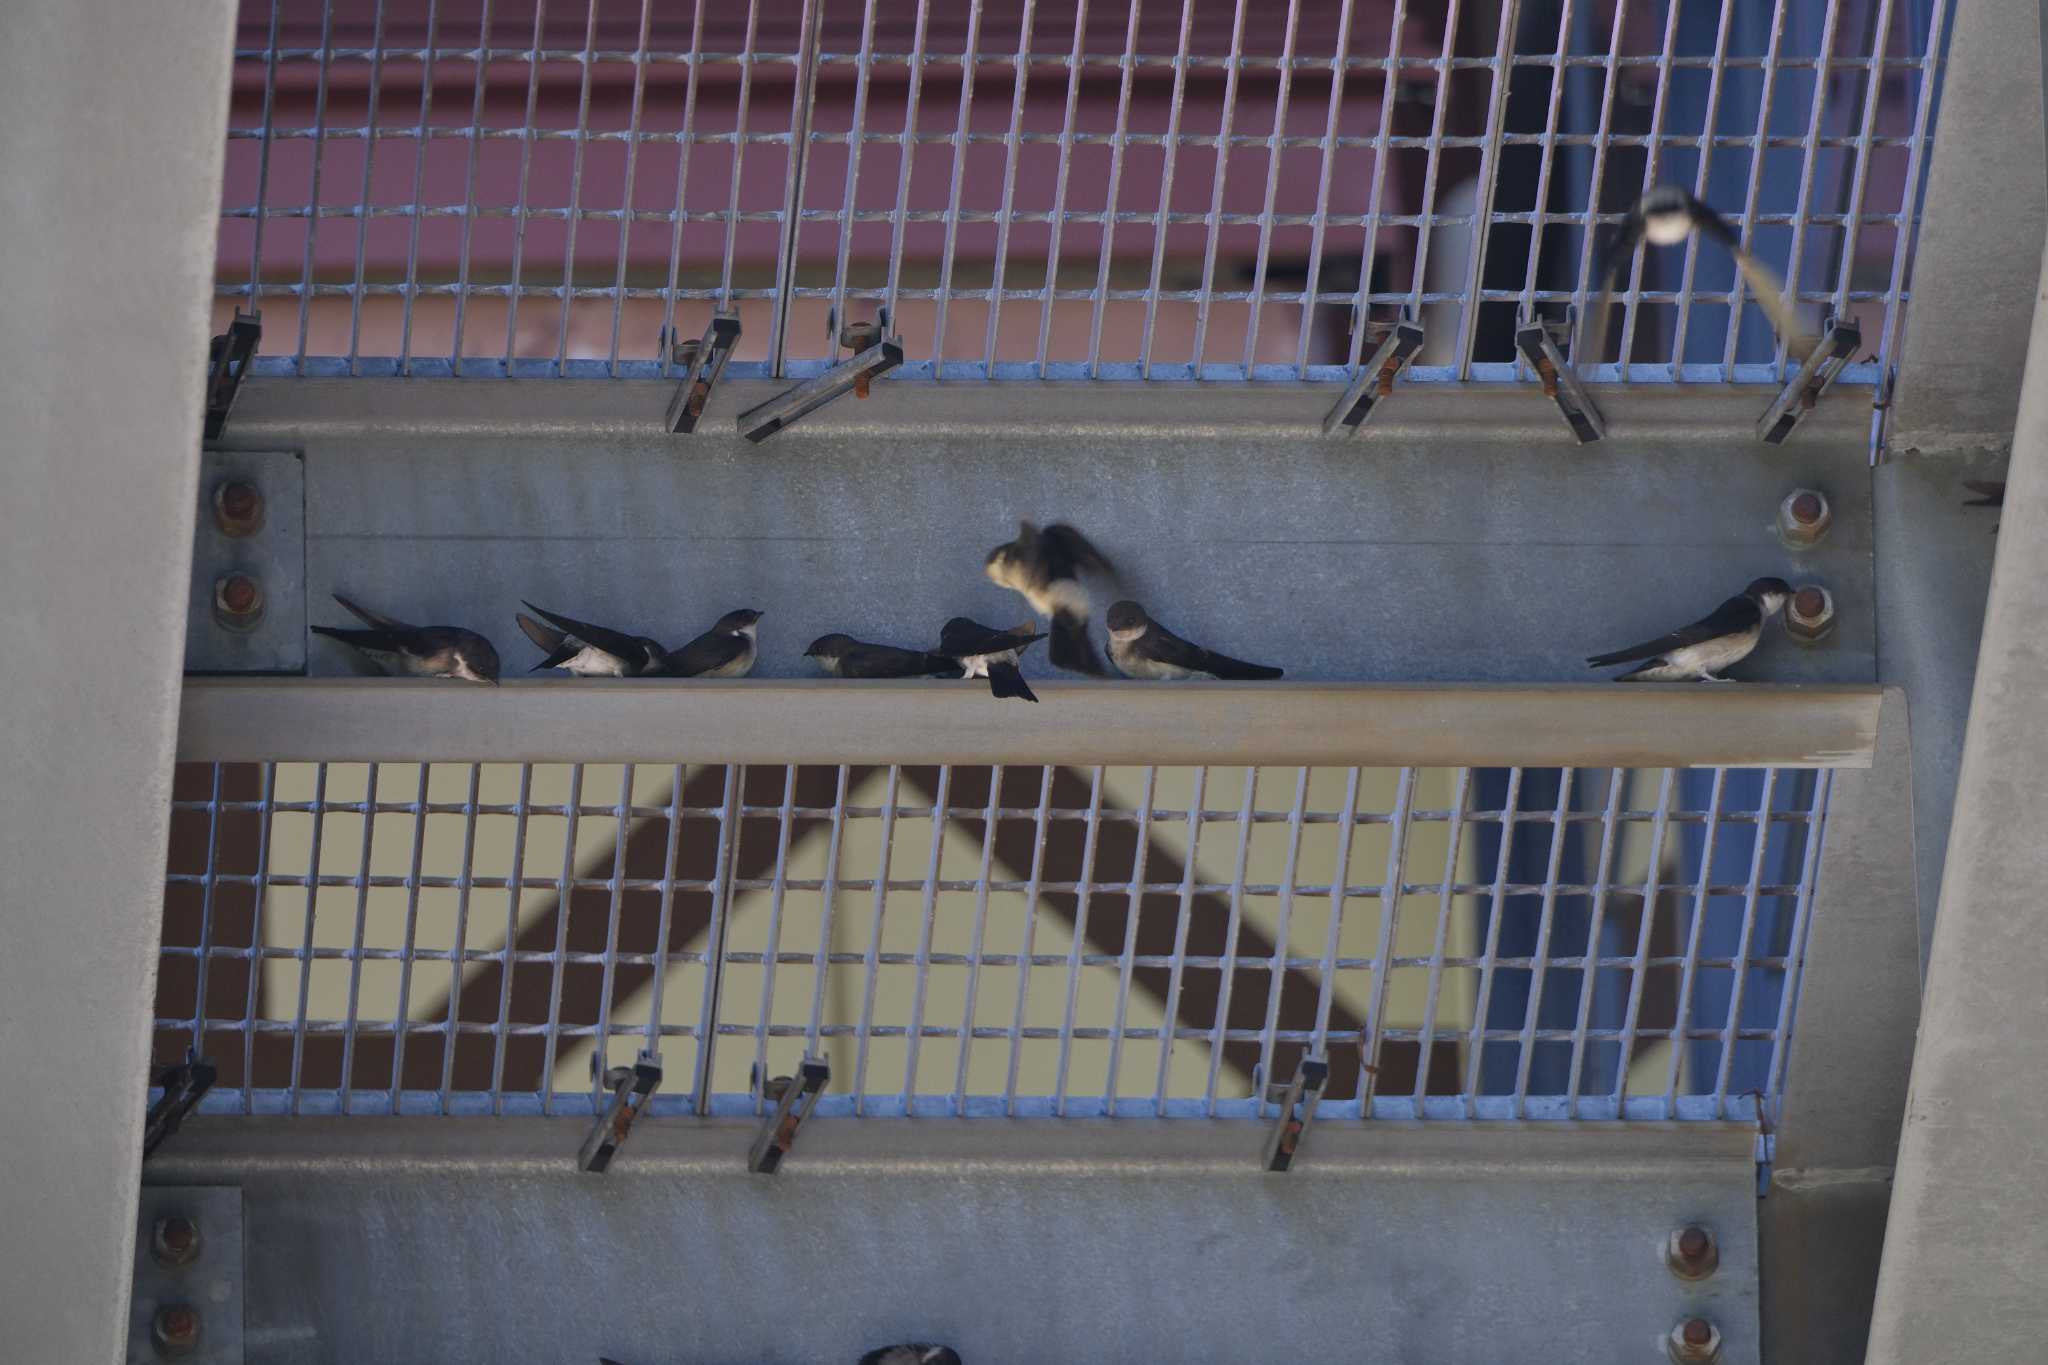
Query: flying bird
[912, 1353]
[1723, 637]
[985, 653]
[1666, 216]
[417, 651]
[1045, 567]
[586, 650]
[1143, 648]
[727, 650]
[842, 656]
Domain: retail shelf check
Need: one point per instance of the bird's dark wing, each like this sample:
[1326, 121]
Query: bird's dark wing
[381, 641]
[708, 651]
[1620, 249]
[1071, 648]
[1990, 492]
[553, 642]
[1066, 553]
[1005, 681]
[621, 646]
[887, 661]
[368, 617]
[1736, 614]
[1712, 224]
[1763, 282]
[1163, 645]
[962, 637]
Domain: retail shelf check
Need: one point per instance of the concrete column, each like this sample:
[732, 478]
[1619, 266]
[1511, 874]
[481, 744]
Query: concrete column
[109, 190]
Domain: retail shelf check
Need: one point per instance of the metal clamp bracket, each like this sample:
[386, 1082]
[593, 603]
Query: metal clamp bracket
[1311, 1074]
[184, 1086]
[227, 360]
[703, 364]
[1375, 379]
[1560, 383]
[1826, 360]
[795, 1098]
[631, 1086]
[876, 350]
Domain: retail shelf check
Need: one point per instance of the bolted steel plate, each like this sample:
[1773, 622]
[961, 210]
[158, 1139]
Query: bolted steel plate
[188, 1277]
[248, 606]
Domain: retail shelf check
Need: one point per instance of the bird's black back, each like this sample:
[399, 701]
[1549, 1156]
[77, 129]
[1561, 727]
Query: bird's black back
[962, 638]
[1736, 614]
[887, 661]
[708, 651]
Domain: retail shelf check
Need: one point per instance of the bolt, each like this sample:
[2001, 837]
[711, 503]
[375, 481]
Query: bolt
[1810, 615]
[1692, 1253]
[237, 508]
[858, 336]
[1804, 518]
[1694, 1341]
[175, 1240]
[175, 1330]
[237, 601]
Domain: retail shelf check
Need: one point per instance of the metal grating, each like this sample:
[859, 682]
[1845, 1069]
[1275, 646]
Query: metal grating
[1460, 943]
[1044, 190]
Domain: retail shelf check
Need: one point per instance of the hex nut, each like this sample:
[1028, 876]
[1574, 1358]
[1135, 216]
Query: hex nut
[1804, 518]
[1692, 1253]
[237, 508]
[1694, 1341]
[237, 601]
[1810, 614]
[175, 1331]
[174, 1241]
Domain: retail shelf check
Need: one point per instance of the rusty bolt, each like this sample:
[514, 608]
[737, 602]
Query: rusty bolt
[858, 336]
[1694, 1341]
[237, 508]
[237, 601]
[175, 1330]
[1804, 518]
[1810, 615]
[1692, 1253]
[174, 1240]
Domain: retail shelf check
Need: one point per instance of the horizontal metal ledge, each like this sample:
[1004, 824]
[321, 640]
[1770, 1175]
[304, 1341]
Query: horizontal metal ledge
[827, 721]
[211, 1149]
[273, 412]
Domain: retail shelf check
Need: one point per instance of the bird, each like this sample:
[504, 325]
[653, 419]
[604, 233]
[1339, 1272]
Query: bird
[912, 1353]
[983, 652]
[586, 650]
[417, 651]
[842, 656]
[1666, 216]
[727, 650]
[1045, 568]
[1723, 637]
[1990, 493]
[1143, 648]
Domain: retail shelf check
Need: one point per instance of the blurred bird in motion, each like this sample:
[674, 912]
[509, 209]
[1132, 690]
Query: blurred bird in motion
[586, 650]
[1666, 216]
[1718, 640]
[913, 1353]
[417, 651]
[842, 656]
[983, 652]
[1142, 648]
[1045, 568]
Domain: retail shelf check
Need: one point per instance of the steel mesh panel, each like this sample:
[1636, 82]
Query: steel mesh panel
[1460, 943]
[1158, 190]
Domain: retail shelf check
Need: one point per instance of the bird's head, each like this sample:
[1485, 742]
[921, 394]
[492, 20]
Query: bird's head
[1126, 620]
[476, 659]
[1667, 214]
[741, 622]
[1769, 594]
[829, 647]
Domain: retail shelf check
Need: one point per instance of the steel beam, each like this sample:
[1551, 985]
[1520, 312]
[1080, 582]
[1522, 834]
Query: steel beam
[108, 210]
[827, 721]
[1460, 1244]
[1968, 1228]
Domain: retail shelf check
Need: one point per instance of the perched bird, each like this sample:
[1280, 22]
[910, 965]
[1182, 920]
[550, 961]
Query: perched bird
[1143, 648]
[912, 1353]
[1723, 637]
[586, 650]
[992, 654]
[727, 650]
[418, 651]
[1045, 567]
[842, 656]
[1666, 216]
